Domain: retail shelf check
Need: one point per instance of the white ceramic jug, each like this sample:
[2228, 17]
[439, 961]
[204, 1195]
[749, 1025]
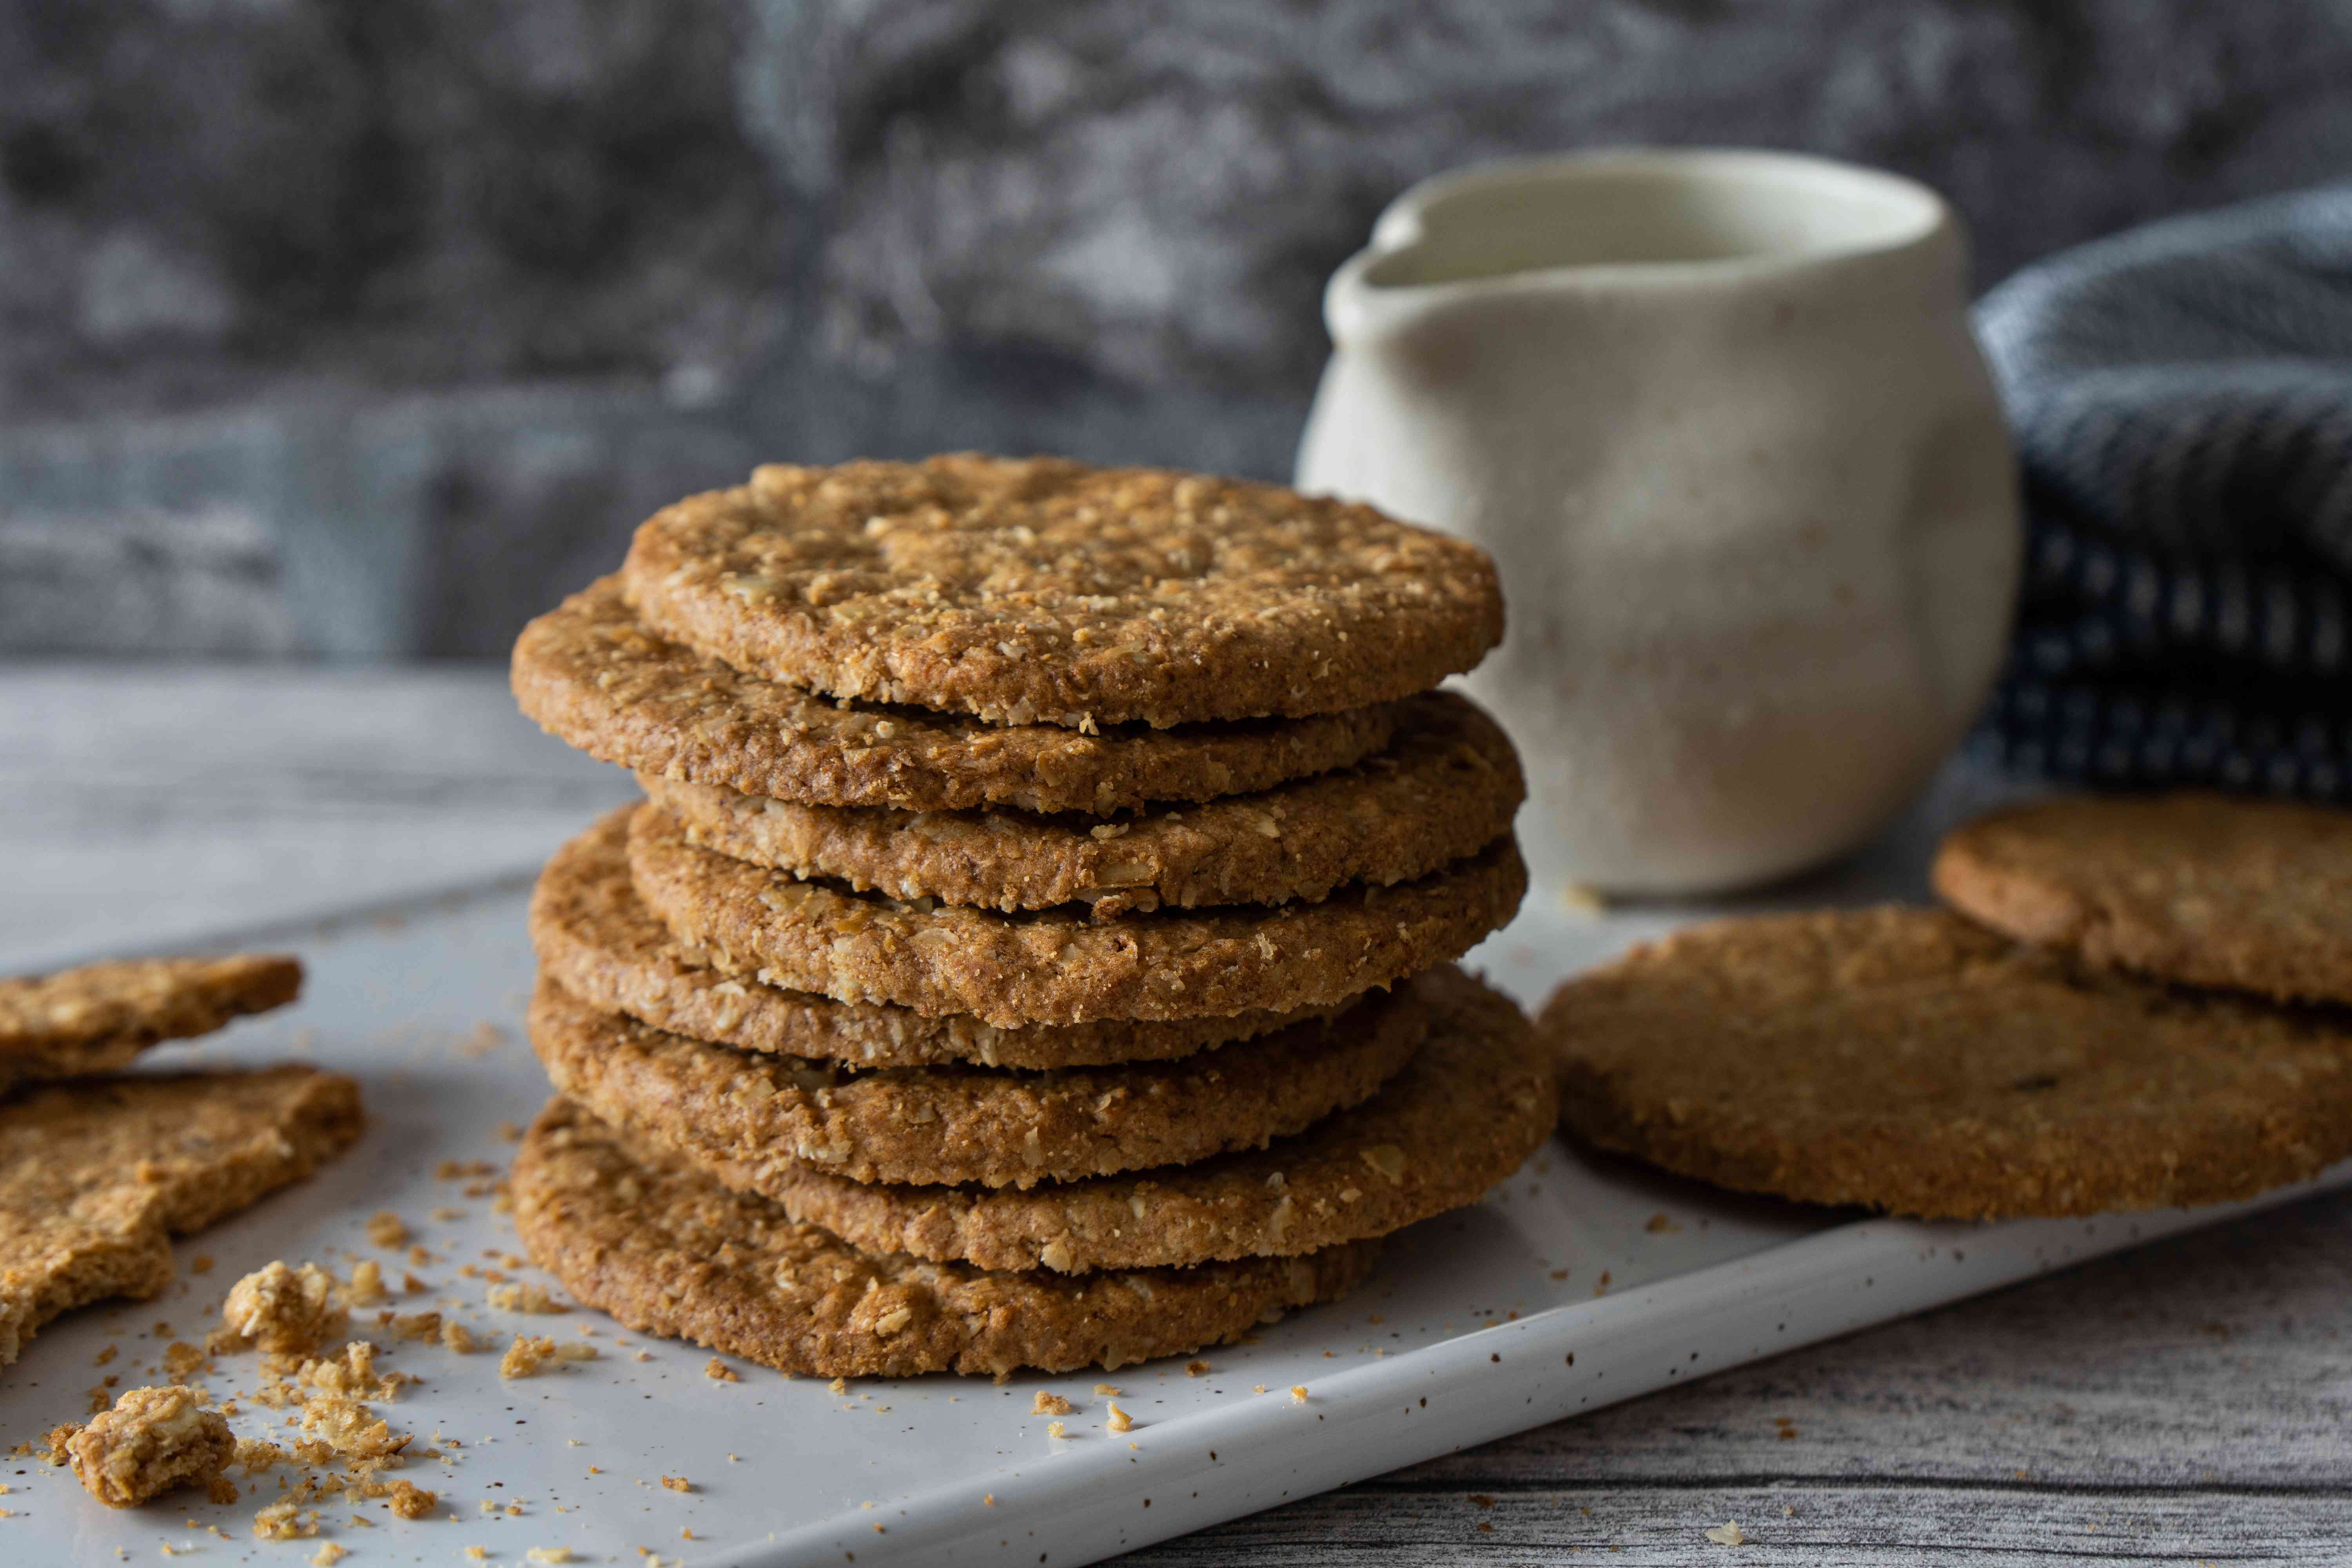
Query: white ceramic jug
[1719, 418]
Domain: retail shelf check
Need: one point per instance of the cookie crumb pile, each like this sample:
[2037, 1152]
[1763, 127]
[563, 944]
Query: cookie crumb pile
[1034, 948]
[2132, 1003]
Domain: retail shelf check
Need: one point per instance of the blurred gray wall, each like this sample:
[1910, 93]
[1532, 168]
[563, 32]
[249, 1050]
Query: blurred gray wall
[369, 327]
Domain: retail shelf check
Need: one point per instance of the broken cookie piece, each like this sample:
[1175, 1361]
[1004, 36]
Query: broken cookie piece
[152, 1441]
[98, 1017]
[96, 1176]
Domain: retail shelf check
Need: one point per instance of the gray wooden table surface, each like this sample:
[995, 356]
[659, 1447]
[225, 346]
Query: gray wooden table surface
[2187, 1402]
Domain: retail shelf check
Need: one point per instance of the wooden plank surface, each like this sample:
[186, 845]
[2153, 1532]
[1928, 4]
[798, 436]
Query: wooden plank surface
[2187, 1402]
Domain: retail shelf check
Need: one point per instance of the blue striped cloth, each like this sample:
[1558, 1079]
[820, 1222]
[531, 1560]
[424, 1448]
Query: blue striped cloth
[2181, 397]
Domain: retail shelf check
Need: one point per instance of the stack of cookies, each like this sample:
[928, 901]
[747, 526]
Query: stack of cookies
[1034, 948]
[2130, 1004]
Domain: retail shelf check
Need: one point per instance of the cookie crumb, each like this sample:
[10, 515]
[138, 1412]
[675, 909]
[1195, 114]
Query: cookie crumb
[717, 1370]
[329, 1554]
[1055, 1429]
[678, 1483]
[366, 1287]
[1299, 1392]
[285, 1521]
[388, 1230]
[1048, 1403]
[152, 1440]
[1119, 1421]
[1106, 1388]
[283, 1311]
[1196, 1368]
[457, 1337]
[548, 1554]
[528, 1356]
[202, 1263]
[1728, 1533]
[524, 1298]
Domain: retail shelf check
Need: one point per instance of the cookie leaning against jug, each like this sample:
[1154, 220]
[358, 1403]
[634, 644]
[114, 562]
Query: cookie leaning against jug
[1027, 842]
[2201, 888]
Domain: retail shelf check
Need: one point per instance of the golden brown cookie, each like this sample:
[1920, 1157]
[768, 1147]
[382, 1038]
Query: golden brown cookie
[1445, 788]
[97, 1175]
[1466, 1113]
[1906, 1060]
[588, 674]
[2207, 889]
[597, 942]
[1044, 591]
[1058, 967]
[100, 1016]
[668, 1250]
[963, 1123]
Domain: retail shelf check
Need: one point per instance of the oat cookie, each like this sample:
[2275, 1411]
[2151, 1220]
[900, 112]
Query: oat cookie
[1446, 788]
[595, 940]
[1469, 1109]
[152, 1441]
[96, 1175]
[2207, 889]
[587, 673]
[98, 1017]
[963, 1124]
[1906, 1060]
[1058, 967]
[668, 1250]
[1044, 591]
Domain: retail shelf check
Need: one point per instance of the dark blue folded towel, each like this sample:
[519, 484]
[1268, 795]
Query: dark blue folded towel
[2182, 400]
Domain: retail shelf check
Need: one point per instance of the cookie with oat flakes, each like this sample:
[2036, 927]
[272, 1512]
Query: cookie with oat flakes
[588, 674]
[598, 942]
[2201, 888]
[1044, 591]
[982, 1125]
[1472, 1104]
[1906, 1060]
[1446, 787]
[98, 1017]
[1060, 966]
[665, 1249]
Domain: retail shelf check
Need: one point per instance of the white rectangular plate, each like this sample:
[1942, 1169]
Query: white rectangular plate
[1579, 1282]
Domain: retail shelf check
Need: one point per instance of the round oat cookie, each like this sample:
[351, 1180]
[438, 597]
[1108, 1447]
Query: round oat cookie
[1475, 1102]
[959, 1124]
[2202, 889]
[667, 1250]
[588, 674]
[1044, 591]
[1059, 966]
[1906, 1059]
[598, 942]
[1446, 788]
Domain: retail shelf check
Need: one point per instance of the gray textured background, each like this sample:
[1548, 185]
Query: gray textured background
[368, 328]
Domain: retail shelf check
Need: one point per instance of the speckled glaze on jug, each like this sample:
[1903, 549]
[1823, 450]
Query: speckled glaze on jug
[1720, 418]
